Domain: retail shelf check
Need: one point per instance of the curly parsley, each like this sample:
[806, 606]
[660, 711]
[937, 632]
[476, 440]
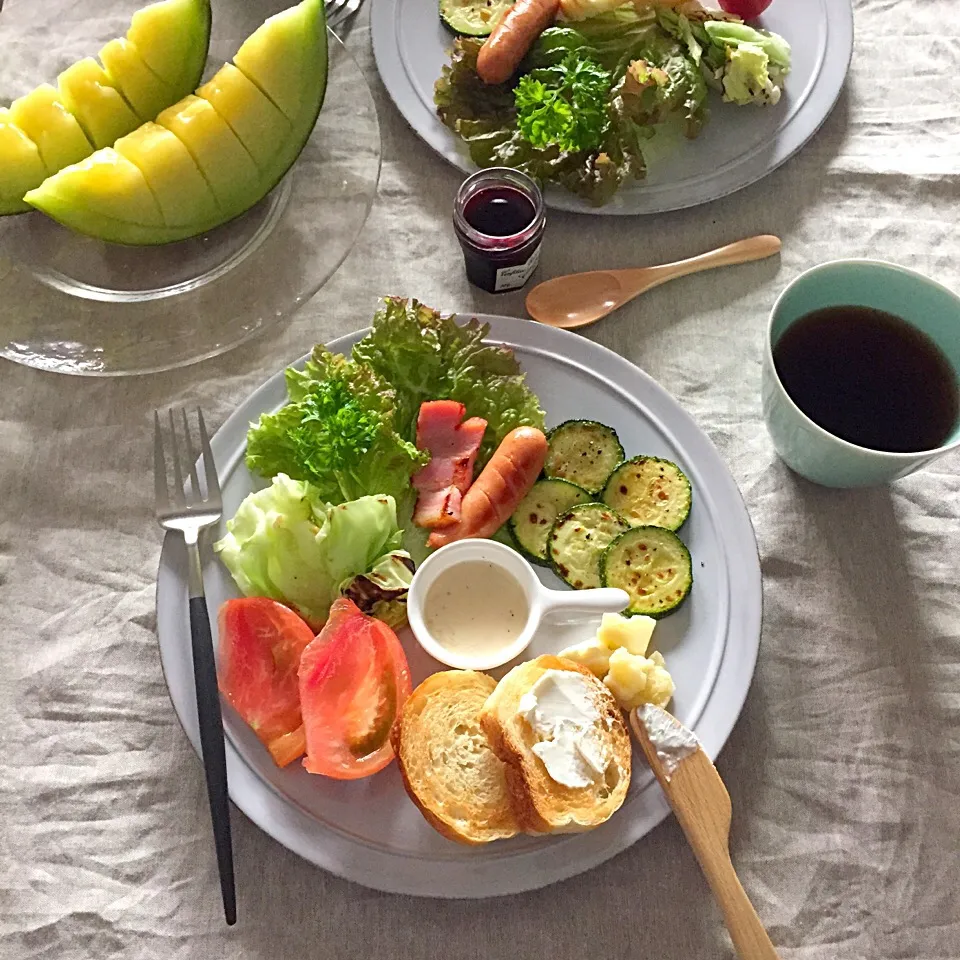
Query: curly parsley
[565, 105]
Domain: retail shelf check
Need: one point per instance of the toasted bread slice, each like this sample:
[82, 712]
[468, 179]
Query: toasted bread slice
[446, 763]
[540, 803]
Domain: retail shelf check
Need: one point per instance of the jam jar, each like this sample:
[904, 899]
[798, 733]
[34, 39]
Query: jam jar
[499, 218]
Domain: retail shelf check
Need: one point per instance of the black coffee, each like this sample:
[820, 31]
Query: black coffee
[870, 378]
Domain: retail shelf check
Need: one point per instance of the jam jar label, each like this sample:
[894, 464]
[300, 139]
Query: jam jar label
[512, 278]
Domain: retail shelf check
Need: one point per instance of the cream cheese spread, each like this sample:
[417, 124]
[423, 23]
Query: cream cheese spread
[561, 710]
[672, 741]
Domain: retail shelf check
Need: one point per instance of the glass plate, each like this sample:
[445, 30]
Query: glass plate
[72, 304]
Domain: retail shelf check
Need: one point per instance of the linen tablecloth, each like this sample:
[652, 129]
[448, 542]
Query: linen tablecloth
[844, 769]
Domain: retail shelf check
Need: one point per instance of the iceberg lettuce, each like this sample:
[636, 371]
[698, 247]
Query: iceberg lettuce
[286, 543]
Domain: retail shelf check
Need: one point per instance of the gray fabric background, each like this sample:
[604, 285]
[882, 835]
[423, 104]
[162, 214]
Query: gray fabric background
[844, 769]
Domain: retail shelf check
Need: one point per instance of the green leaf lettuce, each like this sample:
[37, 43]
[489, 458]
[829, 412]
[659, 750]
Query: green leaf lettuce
[571, 118]
[339, 432]
[382, 591]
[426, 356]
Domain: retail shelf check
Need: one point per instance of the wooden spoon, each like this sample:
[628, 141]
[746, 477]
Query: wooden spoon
[702, 807]
[581, 298]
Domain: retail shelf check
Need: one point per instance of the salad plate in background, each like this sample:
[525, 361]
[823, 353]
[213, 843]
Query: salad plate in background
[738, 146]
[367, 829]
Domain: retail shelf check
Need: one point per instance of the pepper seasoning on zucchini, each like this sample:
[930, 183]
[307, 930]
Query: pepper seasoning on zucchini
[649, 491]
[578, 540]
[534, 517]
[584, 452]
[653, 566]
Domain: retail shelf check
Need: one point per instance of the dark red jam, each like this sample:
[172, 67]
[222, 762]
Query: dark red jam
[499, 219]
[499, 211]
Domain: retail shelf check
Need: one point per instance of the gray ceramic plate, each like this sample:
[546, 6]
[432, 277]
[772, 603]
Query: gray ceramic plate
[368, 830]
[737, 147]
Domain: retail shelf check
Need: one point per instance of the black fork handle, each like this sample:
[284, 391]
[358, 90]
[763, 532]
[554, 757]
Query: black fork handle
[212, 749]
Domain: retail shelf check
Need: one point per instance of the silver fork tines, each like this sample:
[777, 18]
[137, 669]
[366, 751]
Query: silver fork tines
[340, 10]
[186, 507]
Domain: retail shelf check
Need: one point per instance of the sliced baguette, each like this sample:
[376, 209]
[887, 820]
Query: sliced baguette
[540, 803]
[446, 763]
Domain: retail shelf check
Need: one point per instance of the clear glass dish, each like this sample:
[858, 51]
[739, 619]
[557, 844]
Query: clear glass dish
[75, 305]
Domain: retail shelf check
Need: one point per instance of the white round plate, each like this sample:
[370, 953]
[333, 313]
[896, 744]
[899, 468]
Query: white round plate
[738, 145]
[73, 304]
[368, 831]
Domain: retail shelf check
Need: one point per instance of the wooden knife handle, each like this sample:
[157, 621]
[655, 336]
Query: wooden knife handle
[747, 932]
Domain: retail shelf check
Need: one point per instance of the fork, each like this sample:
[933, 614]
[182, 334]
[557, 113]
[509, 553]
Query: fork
[187, 511]
[340, 10]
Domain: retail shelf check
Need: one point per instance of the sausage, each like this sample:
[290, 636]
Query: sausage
[512, 37]
[502, 484]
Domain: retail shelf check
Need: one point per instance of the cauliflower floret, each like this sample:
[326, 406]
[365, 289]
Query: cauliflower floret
[635, 680]
[592, 654]
[631, 633]
[746, 78]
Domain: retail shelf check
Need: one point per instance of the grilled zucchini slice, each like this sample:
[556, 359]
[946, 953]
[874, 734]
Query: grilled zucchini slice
[578, 540]
[472, 18]
[537, 511]
[653, 566]
[584, 452]
[649, 491]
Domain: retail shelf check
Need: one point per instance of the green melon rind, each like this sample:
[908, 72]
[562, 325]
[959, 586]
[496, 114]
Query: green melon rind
[285, 159]
[106, 228]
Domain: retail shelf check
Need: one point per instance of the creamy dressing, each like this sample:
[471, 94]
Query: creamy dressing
[475, 608]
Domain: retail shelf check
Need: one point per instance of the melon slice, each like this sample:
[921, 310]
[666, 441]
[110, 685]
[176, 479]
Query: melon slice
[105, 191]
[109, 103]
[181, 190]
[140, 86]
[289, 81]
[24, 168]
[258, 124]
[241, 139]
[221, 157]
[42, 116]
[87, 93]
[172, 53]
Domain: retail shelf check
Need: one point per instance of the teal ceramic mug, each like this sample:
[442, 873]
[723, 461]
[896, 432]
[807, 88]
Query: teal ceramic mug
[804, 446]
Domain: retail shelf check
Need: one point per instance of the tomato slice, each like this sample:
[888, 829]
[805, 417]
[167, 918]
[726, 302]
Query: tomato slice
[287, 748]
[261, 642]
[353, 679]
